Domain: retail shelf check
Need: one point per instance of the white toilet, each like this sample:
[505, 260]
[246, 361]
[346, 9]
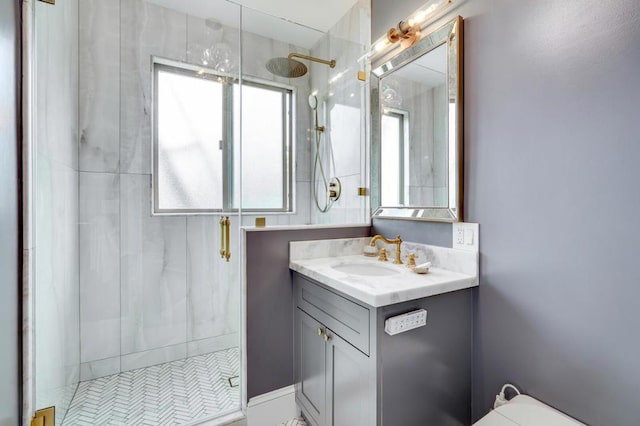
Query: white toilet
[526, 411]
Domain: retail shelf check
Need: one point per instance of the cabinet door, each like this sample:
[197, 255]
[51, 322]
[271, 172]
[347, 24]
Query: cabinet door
[310, 357]
[350, 385]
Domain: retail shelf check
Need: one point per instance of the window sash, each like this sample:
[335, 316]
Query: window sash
[229, 185]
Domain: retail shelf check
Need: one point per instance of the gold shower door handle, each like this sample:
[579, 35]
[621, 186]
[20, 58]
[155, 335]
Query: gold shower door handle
[225, 237]
[222, 226]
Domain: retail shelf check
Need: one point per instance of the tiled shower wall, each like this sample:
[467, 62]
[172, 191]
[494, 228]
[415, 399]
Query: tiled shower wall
[342, 100]
[55, 216]
[152, 289]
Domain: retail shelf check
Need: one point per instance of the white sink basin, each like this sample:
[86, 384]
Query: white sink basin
[365, 269]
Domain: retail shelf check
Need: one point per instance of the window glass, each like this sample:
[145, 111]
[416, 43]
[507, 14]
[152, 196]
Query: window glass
[189, 130]
[264, 123]
[198, 145]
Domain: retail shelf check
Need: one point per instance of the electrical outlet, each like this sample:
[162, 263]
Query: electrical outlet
[405, 322]
[466, 236]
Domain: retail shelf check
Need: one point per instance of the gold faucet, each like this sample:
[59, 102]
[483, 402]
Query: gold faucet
[397, 241]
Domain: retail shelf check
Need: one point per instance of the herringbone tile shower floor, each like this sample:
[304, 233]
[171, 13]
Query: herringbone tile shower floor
[174, 393]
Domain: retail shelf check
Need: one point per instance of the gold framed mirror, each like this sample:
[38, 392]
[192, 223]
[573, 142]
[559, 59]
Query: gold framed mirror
[417, 128]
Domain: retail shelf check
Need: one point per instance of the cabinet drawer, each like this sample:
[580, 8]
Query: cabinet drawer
[347, 319]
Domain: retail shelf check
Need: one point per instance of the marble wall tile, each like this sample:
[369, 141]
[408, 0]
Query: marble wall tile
[211, 290]
[202, 35]
[99, 149]
[99, 265]
[153, 271]
[344, 138]
[57, 81]
[348, 209]
[318, 73]
[355, 26]
[305, 136]
[100, 368]
[56, 354]
[153, 357]
[57, 340]
[213, 344]
[342, 102]
[463, 261]
[301, 250]
[303, 204]
[146, 30]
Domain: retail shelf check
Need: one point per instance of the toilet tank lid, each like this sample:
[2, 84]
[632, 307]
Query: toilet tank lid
[527, 411]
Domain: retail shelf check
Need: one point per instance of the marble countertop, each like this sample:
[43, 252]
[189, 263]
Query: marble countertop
[379, 291]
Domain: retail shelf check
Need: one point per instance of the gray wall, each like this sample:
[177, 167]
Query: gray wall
[9, 223]
[270, 307]
[552, 140]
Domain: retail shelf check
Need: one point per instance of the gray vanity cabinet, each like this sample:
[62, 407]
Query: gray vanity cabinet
[335, 379]
[333, 382]
[349, 372]
[349, 388]
[310, 366]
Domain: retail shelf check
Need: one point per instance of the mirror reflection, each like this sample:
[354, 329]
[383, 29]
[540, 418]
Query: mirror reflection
[414, 133]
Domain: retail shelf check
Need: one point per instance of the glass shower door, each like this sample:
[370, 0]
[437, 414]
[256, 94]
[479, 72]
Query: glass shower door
[125, 295]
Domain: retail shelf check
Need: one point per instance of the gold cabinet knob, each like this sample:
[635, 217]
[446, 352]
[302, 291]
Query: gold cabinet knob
[326, 337]
[320, 331]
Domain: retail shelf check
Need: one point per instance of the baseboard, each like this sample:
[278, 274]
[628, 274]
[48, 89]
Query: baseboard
[273, 408]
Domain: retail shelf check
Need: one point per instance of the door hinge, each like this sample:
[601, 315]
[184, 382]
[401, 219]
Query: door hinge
[44, 417]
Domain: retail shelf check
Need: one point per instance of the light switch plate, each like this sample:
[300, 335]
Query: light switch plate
[466, 236]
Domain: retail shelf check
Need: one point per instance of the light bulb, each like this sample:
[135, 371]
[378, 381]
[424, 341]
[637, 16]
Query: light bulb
[381, 45]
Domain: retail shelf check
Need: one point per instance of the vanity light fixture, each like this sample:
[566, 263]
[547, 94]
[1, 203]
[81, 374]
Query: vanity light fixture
[403, 33]
[407, 32]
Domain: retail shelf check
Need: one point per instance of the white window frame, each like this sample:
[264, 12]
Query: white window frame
[288, 145]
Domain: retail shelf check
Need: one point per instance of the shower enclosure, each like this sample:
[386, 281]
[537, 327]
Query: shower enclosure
[158, 131]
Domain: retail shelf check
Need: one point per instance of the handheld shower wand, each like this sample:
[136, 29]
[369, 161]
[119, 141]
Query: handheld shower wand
[313, 103]
[332, 187]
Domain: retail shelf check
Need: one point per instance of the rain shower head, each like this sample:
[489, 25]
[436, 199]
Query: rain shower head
[290, 68]
[285, 67]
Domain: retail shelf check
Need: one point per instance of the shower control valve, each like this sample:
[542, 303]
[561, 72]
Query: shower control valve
[335, 189]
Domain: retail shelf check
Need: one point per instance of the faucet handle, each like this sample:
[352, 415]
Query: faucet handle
[412, 260]
[383, 255]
